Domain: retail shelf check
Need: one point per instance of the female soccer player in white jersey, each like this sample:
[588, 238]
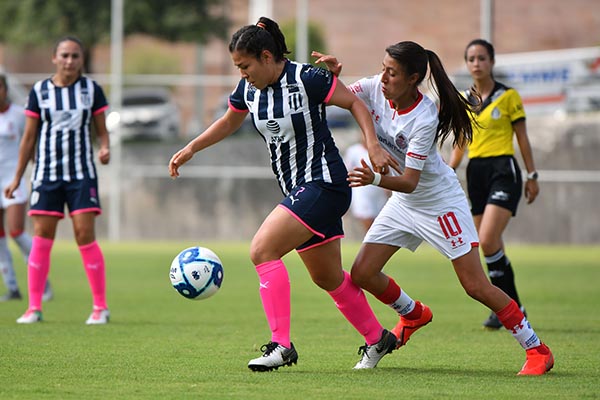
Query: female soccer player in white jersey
[428, 203]
[59, 113]
[12, 123]
[287, 103]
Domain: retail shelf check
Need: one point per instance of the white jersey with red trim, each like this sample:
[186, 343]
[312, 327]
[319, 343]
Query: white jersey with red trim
[12, 124]
[409, 135]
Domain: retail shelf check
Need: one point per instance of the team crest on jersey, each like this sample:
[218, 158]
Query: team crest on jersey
[401, 142]
[86, 100]
[495, 113]
[355, 88]
[295, 101]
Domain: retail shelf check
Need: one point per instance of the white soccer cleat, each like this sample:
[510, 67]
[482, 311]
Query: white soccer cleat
[275, 356]
[372, 354]
[98, 317]
[30, 317]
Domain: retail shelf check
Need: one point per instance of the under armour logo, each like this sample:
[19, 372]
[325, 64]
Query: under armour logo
[264, 285]
[517, 328]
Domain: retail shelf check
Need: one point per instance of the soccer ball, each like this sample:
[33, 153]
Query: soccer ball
[196, 273]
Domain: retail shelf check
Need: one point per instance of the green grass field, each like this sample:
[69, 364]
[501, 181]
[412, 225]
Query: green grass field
[160, 345]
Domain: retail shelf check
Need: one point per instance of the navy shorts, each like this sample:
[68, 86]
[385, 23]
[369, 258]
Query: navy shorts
[494, 180]
[320, 207]
[49, 198]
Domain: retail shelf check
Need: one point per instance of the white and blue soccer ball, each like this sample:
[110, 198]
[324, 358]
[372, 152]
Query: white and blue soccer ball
[196, 273]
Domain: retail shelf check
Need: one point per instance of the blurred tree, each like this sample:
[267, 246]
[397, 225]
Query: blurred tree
[316, 39]
[42, 22]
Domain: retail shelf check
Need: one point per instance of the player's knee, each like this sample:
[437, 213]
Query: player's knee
[359, 275]
[489, 245]
[476, 290]
[259, 253]
[16, 233]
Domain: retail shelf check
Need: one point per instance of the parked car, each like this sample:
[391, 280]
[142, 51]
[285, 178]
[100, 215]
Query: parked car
[146, 114]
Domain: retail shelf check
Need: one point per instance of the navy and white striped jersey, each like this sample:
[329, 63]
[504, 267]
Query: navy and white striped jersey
[290, 116]
[64, 146]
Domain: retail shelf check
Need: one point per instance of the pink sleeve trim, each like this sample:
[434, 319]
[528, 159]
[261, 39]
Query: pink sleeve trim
[32, 114]
[319, 234]
[332, 89]
[100, 110]
[47, 213]
[232, 108]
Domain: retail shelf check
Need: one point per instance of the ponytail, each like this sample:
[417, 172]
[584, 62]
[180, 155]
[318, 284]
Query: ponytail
[455, 111]
[265, 35]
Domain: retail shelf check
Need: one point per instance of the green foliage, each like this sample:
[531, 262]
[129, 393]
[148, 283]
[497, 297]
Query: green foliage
[316, 39]
[184, 20]
[160, 345]
[35, 22]
[147, 59]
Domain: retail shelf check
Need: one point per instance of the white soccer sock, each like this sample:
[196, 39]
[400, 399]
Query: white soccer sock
[24, 243]
[6, 266]
[403, 304]
[525, 335]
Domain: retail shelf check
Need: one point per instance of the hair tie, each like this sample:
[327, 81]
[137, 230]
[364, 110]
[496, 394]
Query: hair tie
[261, 25]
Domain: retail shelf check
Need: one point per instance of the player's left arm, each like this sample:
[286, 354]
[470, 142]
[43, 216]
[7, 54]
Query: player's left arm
[532, 188]
[344, 98]
[99, 121]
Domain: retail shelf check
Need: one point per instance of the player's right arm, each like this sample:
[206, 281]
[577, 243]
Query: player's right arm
[26, 150]
[456, 157]
[217, 131]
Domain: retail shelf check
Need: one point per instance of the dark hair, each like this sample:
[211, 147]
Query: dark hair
[454, 109]
[69, 39]
[4, 81]
[481, 42]
[265, 35]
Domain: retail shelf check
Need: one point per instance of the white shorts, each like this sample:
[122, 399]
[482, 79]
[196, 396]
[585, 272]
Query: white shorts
[367, 201]
[20, 194]
[449, 229]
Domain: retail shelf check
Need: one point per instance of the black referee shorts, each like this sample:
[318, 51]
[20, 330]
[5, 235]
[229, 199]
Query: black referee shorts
[494, 180]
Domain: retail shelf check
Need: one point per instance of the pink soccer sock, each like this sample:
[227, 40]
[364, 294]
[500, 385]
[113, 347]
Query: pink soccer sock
[275, 296]
[352, 303]
[37, 270]
[93, 262]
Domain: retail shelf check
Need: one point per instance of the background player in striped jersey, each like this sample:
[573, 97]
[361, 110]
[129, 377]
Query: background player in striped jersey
[367, 201]
[287, 103]
[428, 202]
[494, 181]
[12, 123]
[60, 111]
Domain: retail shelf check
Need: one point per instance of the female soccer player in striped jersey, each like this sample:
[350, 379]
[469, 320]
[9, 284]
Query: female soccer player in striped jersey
[428, 203]
[59, 113]
[287, 103]
[494, 181]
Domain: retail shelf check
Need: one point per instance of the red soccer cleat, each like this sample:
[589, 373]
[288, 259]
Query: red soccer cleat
[406, 327]
[539, 361]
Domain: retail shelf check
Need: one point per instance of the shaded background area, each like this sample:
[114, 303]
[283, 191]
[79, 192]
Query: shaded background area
[227, 190]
